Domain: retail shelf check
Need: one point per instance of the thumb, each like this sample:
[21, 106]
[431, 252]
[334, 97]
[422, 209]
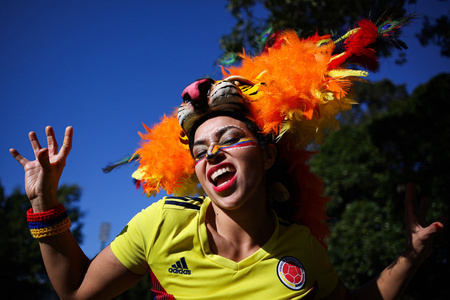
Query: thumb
[433, 229]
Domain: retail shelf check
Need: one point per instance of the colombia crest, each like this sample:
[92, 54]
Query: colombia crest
[291, 273]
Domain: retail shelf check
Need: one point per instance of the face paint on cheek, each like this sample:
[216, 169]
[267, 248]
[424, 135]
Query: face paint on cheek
[197, 161]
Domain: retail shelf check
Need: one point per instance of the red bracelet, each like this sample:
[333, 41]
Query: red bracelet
[46, 215]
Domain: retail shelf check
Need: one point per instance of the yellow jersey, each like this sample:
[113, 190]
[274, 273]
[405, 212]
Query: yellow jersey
[169, 239]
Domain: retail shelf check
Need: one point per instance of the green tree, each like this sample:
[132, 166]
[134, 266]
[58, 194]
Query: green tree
[254, 17]
[436, 32]
[414, 138]
[365, 240]
[372, 99]
[365, 167]
[23, 273]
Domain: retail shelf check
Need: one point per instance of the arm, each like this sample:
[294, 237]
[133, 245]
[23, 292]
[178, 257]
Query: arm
[72, 274]
[393, 280]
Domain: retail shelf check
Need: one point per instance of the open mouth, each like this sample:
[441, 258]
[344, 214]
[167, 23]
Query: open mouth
[223, 175]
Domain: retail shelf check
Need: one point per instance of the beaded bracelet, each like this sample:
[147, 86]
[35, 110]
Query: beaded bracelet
[48, 223]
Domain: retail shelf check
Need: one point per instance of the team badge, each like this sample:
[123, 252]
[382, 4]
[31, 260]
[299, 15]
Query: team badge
[291, 273]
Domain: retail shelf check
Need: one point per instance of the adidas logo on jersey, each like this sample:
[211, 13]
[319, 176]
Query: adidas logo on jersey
[180, 267]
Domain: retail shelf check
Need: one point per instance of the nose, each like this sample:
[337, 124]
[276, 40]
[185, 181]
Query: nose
[213, 151]
[197, 91]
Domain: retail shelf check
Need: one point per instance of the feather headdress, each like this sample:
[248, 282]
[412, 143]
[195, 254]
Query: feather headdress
[301, 85]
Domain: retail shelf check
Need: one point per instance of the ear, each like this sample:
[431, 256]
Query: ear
[270, 156]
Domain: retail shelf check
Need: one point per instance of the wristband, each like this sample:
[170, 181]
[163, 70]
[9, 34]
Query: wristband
[48, 223]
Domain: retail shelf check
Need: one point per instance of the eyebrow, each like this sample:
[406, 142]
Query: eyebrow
[219, 132]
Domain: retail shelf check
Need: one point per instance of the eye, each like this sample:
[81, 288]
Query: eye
[199, 151]
[232, 136]
[200, 154]
[230, 141]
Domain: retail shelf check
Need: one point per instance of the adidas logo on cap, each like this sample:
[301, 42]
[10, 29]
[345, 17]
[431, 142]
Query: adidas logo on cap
[180, 267]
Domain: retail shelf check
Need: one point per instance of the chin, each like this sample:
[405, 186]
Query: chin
[231, 202]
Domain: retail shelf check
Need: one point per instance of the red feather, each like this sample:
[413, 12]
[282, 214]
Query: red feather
[356, 47]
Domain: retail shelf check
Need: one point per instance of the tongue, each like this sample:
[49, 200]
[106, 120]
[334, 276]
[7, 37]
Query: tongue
[224, 178]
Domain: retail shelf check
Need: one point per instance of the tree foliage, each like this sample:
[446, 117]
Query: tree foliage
[373, 99]
[365, 167]
[23, 273]
[254, 17]
[436, 32]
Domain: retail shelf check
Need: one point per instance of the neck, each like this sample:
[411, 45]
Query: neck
[237, 234]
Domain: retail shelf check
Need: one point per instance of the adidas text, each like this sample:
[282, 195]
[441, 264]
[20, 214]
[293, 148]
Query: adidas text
[180, 271]
[180, 267]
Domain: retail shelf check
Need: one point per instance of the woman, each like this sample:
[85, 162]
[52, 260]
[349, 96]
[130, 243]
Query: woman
[237, 221]
[230, 244]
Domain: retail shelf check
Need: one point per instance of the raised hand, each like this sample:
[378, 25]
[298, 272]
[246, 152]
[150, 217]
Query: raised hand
[42, 174]
[419, 237]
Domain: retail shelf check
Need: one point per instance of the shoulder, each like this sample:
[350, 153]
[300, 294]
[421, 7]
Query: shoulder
[172, 211]
[297, 233]
[288, 227]
[173, 203]
[169, 209]
[183, 203]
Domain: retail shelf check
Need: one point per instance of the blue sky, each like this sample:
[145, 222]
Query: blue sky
[105, 67]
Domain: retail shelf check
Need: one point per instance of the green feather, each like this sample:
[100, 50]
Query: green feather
[120, 163]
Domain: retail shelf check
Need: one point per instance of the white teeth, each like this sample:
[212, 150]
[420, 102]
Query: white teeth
[223, 183]
[220, 172]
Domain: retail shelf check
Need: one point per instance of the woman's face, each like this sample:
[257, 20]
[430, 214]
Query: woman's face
[229, 163]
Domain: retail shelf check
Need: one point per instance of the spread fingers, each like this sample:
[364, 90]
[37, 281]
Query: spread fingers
[51, 141]
[22, 160]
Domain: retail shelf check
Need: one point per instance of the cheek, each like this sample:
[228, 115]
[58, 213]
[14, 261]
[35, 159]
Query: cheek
[251, 158]
[200, 171]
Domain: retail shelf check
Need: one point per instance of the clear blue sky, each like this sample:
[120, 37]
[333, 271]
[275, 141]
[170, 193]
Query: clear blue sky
[105, 67]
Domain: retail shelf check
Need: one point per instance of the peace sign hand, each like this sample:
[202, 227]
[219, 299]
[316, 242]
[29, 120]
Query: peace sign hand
[419, 236]
[42, 174]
